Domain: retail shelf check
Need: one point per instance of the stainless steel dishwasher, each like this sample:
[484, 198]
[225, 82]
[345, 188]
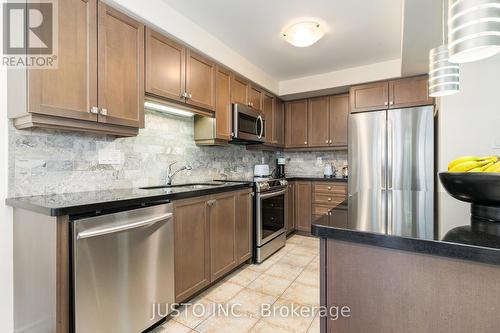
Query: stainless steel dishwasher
[123, 264]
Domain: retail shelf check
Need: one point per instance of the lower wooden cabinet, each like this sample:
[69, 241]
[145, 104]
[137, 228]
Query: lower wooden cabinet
[303, 206]
[290, 206]
[213, 235]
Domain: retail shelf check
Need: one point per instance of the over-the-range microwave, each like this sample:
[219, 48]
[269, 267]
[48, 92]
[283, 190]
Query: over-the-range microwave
[249, 125]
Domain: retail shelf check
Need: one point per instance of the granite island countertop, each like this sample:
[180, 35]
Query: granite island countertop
[411, 224]
[84, 202]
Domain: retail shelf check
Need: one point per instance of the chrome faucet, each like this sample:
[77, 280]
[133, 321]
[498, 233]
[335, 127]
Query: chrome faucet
[171, 175]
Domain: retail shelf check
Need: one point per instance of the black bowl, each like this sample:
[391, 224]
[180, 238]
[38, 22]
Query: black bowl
[475, 187]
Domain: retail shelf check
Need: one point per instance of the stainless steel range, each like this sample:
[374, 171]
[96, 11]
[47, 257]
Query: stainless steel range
[270, 207]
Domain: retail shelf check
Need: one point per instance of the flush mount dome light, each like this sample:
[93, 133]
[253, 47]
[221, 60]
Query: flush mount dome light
[303, 34]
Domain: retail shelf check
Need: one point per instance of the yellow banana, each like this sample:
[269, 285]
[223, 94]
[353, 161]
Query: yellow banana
[468, 166]
[461, 160]
[484, 168]
[493, 167]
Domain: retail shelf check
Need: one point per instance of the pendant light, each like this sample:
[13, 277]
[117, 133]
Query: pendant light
[444, 76]
[474, 29]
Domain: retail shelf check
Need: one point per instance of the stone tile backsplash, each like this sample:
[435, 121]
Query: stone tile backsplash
[50, 161]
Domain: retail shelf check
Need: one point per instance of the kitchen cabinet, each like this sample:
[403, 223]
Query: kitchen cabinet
[339, 114]
[256, 97]
[369, 97]
[303, 206]
[98, 48]
[296, 131]
[240, 90]
[268, 110]
[223, 248]
[393, 94]
[408, 92]
[191, 247]
[279, 123]
[318, 122]
[289, 212]
[326, 196]
[223, 103]
[177, 73]
[120, 68]
[244, 225]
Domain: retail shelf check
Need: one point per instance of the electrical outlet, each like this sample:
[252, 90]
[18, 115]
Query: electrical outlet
[109, 156]
[319, 161]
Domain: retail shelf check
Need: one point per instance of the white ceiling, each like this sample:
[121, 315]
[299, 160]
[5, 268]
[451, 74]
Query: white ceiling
[360, 32]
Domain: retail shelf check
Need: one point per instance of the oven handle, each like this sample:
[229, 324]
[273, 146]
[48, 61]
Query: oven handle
[272, 194]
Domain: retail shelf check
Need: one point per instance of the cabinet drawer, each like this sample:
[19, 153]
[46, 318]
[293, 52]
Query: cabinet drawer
[330, 188]
[327, 198]
[321, 209]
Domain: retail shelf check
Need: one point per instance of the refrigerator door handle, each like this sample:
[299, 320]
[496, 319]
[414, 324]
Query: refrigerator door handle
[383, 170]
[390, 153]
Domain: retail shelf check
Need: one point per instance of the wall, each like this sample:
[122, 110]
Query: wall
[49, 161]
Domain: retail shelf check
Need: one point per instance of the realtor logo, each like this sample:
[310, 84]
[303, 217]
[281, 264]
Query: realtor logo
[30, 34]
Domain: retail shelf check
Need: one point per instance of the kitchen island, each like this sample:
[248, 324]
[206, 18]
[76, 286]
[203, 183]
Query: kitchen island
[407, 267]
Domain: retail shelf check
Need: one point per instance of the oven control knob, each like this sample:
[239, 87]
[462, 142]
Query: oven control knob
[283, 182]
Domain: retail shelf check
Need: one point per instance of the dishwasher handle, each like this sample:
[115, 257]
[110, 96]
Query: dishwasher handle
[111, 230]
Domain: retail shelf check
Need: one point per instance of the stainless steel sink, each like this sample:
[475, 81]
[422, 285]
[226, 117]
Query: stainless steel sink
[194, 186]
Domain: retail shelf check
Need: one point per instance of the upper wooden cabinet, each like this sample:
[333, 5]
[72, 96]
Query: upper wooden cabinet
[369, 97]
[223, 103]
[392, 94]
[339, 113]
[256, 97]
[165, 66]
[413, 91]
[240, 90]
[177, 73]
[268, 110]
[296, 124]
[318, 122]
[279, 123]
[99, 83]
[120, 68]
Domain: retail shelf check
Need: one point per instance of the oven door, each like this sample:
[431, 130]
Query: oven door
[270, 215]
[248, 124]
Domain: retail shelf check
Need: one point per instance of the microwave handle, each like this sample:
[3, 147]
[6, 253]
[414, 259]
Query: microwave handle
[261, 121]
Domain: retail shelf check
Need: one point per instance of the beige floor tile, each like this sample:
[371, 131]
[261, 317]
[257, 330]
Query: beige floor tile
[194, 314]
[309, 277]
[223, 292]
[283, 316]
[265, 327]
[285, 271]
[262, 267]
[227, 324]
[269, 284]
[250, 301]
[315, 327]
[296, 260]
[295, 239]
[173, 327]
[302, 294]
[243, 277]
[305, 251]
[313, 267]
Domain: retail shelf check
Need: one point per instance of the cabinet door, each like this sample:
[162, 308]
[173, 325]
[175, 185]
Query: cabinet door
[279, 122]
[191, 246]
[165, 66]
[244, 223]
[318, 124]
[268, 110]
[296, 124]
[303, 206]
[222, 235]
[223, 103]
[200, 81]
[409, 92]
[339, 113]
[120, 68]
[240, 90]
[369, 97]
[256, 97]
[290, 207]
[70, 90]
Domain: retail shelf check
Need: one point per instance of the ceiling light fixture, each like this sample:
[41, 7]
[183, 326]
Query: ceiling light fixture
[473, 29]
[444, 76]
[303, 34]
[167, 109]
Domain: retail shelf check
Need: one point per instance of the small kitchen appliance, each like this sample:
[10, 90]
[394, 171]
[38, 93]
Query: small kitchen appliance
[261, 171]
[280, 167]
[328, 171]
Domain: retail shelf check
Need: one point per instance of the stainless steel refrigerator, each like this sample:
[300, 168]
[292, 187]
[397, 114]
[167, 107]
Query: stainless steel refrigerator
[391, 169]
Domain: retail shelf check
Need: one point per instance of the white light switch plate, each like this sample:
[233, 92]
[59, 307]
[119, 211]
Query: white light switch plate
[109, 156]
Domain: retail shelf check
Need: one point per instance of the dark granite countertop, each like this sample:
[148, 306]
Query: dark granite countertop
[412, 224]
[316, 179]
[85, 202]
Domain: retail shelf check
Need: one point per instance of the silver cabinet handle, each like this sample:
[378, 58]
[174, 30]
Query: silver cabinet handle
[305, 142]
[326, 141]
[329, 188]
[94, 110]
[189, 96]
[111, 230]
[212, 202]
[104, 112]
[385, 103]
[391, 103]
[330, 141]
[329, 199]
